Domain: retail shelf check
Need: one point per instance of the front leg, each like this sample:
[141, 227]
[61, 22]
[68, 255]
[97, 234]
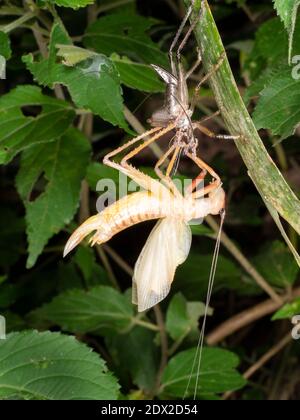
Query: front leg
[124, 167]
[211, 134]
[165, 178]
[215, 184]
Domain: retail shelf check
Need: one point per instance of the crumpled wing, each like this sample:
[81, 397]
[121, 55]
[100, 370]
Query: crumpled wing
[167, 247]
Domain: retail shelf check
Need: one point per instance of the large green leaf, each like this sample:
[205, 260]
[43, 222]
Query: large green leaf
[137, 75]
[63, 164]
[276, 264]
[79, 311]
[51, 366]
[274, 80]
[125, 34]
[18, 132]
[93, 84]
[287, 10]
[132, 74]
[217, 373]
[278, 106]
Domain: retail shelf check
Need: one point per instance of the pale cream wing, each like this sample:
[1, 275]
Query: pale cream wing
[167, 247]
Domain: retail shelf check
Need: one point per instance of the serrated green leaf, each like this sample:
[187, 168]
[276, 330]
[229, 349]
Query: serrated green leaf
[288, 311]
[19, 132]
[132, 74]
[93, 311]
[125, 34]
[63, 164]
[51, 366]
[5, 49]
[270, 48]
[183, 316]
[137, 75]
[276, 263]
[217, 374]
[278, 105]
[93, 84]
[74, 4]
[287, 10]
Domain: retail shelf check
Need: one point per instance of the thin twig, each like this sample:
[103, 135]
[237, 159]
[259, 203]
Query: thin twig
[173, 6]
[107, 266]
[86, 126]
[118, 260]
[17, 23]
[263, 360]
[146, 324]
[269, 355]
[248, 267]
[246, 317]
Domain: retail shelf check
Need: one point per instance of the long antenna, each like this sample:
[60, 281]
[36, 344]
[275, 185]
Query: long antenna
[199, 351]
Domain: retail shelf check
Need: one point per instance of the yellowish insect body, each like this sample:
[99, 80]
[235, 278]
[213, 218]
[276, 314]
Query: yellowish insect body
[168, 244]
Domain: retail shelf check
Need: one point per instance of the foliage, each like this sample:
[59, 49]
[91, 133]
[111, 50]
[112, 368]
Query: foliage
[74, 70]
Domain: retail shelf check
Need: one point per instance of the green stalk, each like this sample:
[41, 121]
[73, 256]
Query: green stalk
[17, 23]
[262, 170]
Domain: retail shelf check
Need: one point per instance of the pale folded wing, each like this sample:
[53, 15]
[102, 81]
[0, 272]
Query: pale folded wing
[167, 247]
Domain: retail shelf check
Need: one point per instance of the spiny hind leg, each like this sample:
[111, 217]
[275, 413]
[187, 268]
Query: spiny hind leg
[138, 149]
[141, 179]
[206, 78]
[107, 158]
[165, 178]
[205, 168]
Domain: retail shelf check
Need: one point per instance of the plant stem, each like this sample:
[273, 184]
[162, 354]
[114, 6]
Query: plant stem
[17, 23]
[246, 317]
[264, 359]
[261, 169]
[118, 260]
[146, 324]
[107, 266]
